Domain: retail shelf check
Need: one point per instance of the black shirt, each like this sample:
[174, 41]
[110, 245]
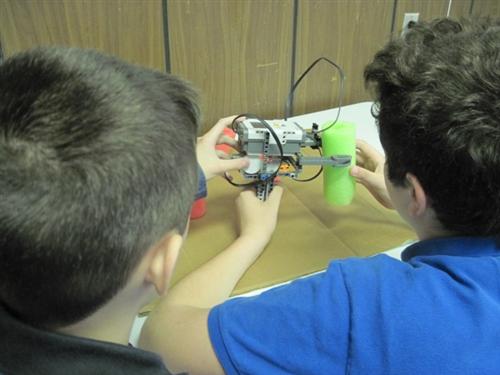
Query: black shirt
[31, 351]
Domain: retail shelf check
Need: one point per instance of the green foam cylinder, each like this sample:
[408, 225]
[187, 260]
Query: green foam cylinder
[338, 185]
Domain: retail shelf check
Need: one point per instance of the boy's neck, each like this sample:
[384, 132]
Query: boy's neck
[430, 229]
[104, 325]
[113, 321]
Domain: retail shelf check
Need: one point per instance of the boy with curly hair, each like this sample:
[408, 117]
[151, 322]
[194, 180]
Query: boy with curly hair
[437, 92]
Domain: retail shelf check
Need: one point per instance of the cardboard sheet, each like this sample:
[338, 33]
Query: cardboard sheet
[310, 233]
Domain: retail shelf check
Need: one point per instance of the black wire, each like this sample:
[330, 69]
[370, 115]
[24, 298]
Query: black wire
[278, 144]
[226, 175]
[287, 114]
[266, 125]
[234, 121]
[341, 89]
[254, 183]
[315, 176]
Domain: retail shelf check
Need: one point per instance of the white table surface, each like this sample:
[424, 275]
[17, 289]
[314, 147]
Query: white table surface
[359, 114]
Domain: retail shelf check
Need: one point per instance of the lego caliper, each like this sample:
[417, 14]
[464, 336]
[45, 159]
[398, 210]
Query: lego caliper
[274, 149]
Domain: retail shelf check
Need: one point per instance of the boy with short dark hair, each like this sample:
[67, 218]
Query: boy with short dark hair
[437, 311]
[98, 172]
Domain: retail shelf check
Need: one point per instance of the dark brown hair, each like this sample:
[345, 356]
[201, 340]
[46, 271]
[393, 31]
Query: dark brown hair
[97, 163]
[437, 94]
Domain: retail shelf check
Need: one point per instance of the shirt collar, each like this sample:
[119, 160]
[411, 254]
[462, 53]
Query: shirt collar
[455, 246]
[26, 350]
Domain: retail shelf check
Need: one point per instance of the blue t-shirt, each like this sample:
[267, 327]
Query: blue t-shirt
[202, 185]
[435, 312]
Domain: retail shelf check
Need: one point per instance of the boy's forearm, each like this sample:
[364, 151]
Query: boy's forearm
[213, 282]
[177, 328]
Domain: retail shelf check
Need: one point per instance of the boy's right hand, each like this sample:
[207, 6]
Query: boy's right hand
[369, 171]
[257, 219]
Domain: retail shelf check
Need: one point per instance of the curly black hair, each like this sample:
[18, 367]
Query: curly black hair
[437, 91]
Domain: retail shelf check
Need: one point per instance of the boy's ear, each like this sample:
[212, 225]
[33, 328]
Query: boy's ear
[418, 199]
[163, 259]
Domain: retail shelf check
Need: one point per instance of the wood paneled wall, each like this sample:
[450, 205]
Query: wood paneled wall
[237, 52]
[242, 54]
[486, 7]
[130, 29]
[347, 32]
[460, 8]
[427, 9]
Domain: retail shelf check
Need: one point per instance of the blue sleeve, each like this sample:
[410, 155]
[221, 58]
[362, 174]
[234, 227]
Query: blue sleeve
[202, 185]
[376, 315]
[302, 327]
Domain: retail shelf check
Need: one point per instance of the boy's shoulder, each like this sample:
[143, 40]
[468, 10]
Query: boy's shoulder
[28, 350]
[425, 314]
[430, 311]
[452, 263]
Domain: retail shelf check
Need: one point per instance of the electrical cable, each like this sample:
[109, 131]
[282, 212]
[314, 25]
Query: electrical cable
[289, 101]
[288, 105]
[278, 144]
[313, 177]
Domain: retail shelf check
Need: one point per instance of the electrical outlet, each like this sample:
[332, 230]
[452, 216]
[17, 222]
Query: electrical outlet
[409, 17]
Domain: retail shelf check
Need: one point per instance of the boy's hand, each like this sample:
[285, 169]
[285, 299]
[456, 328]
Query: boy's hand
[370, 172]
[214, 162]
[258, 219]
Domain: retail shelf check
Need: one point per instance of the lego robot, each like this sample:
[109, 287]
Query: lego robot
[275, 150]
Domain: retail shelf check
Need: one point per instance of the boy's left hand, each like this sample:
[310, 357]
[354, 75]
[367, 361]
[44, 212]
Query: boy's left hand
[213, 162]
[257, 219]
